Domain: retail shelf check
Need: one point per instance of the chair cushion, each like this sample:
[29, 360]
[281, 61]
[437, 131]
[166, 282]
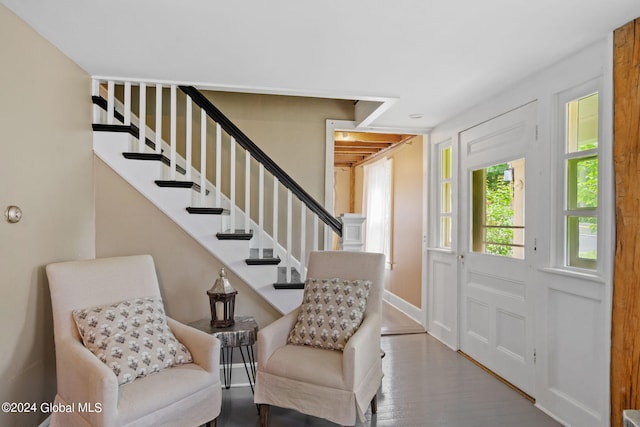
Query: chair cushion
[331, 312]
[131, 337]
[320, 367]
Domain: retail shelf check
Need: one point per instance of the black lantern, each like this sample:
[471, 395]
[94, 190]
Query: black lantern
[222, 298]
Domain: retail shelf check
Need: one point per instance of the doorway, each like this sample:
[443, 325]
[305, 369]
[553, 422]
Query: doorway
[352, 151]
[496, 307]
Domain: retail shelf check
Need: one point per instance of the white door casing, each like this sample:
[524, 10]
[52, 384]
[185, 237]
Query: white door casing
[496, 307]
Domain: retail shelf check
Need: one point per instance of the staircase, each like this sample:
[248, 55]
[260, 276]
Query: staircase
[218, 196]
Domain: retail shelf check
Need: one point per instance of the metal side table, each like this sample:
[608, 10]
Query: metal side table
[242, 334]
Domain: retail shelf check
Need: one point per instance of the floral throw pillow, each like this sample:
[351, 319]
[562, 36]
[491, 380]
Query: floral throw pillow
[331, 312]
[131, 337]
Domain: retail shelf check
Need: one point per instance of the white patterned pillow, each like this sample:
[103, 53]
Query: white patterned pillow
[131, 337]
[331, 312]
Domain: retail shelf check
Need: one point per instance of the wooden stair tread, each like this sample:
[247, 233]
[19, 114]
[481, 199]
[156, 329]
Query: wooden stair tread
[207, 211]
[239, 234]
[295, 282]
[267, 257]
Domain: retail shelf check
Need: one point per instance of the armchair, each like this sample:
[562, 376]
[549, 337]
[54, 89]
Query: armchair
[184, 395]
[330, 384]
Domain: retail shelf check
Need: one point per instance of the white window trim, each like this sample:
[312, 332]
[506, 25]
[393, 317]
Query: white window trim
[560, 256]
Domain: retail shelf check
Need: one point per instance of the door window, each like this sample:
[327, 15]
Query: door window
[498, 209]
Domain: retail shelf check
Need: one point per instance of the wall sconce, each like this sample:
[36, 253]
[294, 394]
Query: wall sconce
[222, 299]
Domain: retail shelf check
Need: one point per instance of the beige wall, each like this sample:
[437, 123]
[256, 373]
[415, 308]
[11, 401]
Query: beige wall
[404, 279]
[289, 129]
[127, 224]
[342, 191]
[46, 170]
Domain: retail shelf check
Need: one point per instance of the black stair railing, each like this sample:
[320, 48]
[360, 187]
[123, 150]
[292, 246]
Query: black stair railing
[245, 142]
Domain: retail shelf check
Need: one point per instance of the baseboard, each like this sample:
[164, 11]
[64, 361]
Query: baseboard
[552, 415]
[46, 422]
[238, 375]
[407, 308]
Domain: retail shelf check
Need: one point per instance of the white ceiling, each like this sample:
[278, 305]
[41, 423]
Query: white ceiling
[436, 57]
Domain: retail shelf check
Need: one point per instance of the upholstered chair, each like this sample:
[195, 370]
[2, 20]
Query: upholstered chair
[184, 395]
[337, 385]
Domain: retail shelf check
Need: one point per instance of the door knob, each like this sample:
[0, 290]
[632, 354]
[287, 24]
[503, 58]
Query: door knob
[13, 214]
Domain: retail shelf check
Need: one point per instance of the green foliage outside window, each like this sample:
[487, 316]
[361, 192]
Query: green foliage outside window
[498, 210]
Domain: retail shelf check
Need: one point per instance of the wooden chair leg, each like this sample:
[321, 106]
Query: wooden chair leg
[211, 423]
[374, 404]
[264, 415]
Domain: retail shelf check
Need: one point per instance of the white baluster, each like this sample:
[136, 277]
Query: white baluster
[247, 191]
[95, 91]
[158, 130]
[142, 119]
[328, 233]
[203, 156]
[261, 210]
[218, 164]
[232, 185]
[315, 232]
[289, 226]
[127, 103]
[111, 98]
[189, 138]
[173, 129]
[303, 238]
[275, 216]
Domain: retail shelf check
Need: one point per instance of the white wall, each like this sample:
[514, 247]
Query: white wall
[572, 310]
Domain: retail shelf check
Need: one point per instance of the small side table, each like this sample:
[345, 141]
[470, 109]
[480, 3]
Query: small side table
[242, 334]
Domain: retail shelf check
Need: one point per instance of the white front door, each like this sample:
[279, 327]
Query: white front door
[496, 306]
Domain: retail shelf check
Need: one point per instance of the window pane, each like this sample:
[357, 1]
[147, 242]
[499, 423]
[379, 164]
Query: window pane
[582, 180]
[445, 166]
[445, 231]
[582, 124]
[498, 209]
[377, 189]
[582, 241]
[446, 197]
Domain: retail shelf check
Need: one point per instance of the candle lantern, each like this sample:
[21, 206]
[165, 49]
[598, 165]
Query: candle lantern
[222, 298]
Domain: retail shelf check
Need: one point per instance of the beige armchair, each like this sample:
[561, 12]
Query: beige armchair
[330, 384]
[184, 395]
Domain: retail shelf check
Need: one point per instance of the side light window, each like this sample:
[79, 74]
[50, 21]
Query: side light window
[581, 182]
[445, 202]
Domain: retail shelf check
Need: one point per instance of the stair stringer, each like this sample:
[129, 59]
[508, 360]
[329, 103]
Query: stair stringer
[109, 146]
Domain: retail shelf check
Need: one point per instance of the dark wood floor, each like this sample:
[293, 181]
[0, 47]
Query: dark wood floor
[425, 384]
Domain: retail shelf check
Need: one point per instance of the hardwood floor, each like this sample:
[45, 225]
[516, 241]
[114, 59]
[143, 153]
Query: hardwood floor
[425, 384]
[395, 322]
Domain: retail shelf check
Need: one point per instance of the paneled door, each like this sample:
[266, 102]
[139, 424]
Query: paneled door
[496, 306]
